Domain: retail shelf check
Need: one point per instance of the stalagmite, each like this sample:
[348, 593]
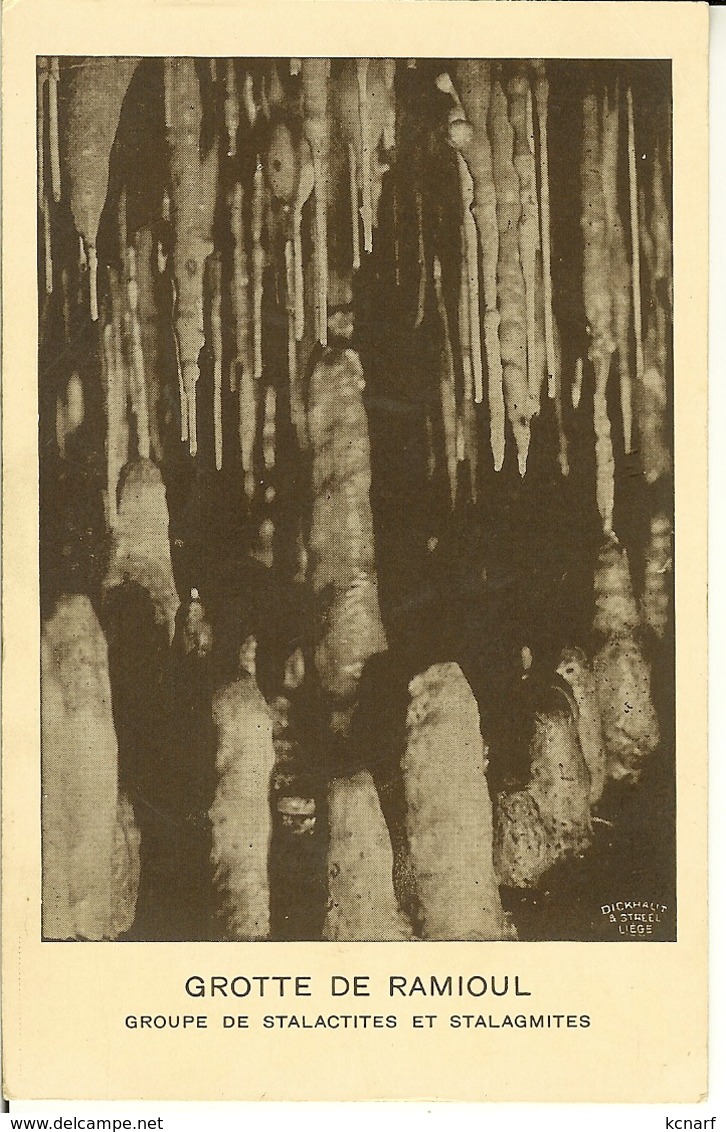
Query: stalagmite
[596, 286]
[616, 611]
[447, 386]
[656, 600]
[87, 891]
[140, 551]
[361, 904]
[342, 552]
[215, 326]
[193, 199]
[125, 869]
[510, 279]
[630, 724]
[95, 94]
[473, 85]
[550, 818]
[240, 814]
[70, 411]
[315, 77]
[622, 674]
[575, 668]
[449, 812]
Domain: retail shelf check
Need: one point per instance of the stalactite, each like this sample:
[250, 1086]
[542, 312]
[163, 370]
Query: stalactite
[258, 266]
[297, 404]
[366, 156]
[305, 187]
[148, 315]
[619, 266]
[315, 78]
[651, 402]
[137, 369]
[215, 326]
[577, 384]
[193, 198]
[231, 108]
[248, 99]
[510, 279]
[635, 246]
[474, 86]
[116, 389]
[447, 386]
[353, 183]
[422, 265]
[524, 163]
[96, 91]
[467, 441]
[66, 299]
[363, 107]
[541, 94]
[41, 84]
[268, 429]
[662, 227]
[597, 293]
[242, 368]
[651, 393]
[48, 250]
[54, 146]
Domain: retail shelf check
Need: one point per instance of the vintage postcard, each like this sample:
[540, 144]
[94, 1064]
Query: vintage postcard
[354, 572]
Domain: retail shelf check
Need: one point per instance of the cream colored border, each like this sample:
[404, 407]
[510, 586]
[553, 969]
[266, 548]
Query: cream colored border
[63, 1005]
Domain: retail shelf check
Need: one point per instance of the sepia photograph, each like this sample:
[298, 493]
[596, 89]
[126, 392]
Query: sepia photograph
[355, 432]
